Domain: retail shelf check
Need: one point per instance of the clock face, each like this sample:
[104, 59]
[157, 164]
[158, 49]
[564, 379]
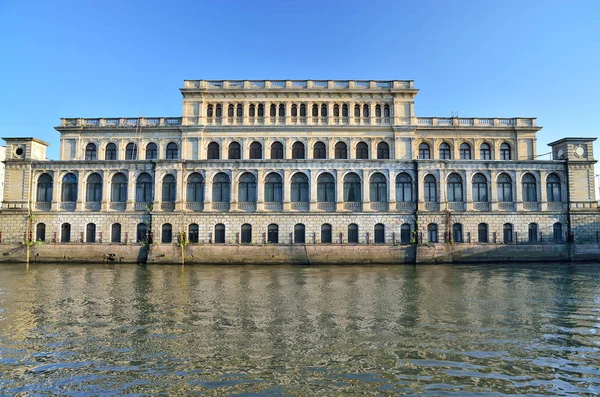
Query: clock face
[579, 151]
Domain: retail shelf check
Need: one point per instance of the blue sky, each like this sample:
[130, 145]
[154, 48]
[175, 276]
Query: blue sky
[129, 58]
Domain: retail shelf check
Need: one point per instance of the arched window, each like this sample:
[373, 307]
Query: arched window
[65, 233]
[557, 232]
[273, 188]
[141, 233]
[219, 110]
[505, 188]
[383, 151]
[256, 151]
[273, 234]
[445, 151]
[193, 233]
[118, 188]
[221, 188]
[315, 110]
[169, 189]
[353, 233]
[403, 187]
[325, 188]
[115, 233]
[357, 110]
[386, 110]
[336, 110]
[299, 188]
[365, 110]
[405, 236]
[378, 110]
[533, 233]
[44, 189]
[299, 234]
[93, 192]
[553, 189]
[230, 110]
[323, 110]
[276, 150]
[195, 188]
[143, 189]
[302, 110]
[505, 151]
[273, 110]
[485, 153]
[91, 152]
[507, 230]
[352, 187]
[247, 188]
[379, 233]
[239, 110]
[151, 151]
[482, 233]
[298, 150]
[246, 235]
[362, 151]
[457, 233]
[69, 188]
[319, 151]
[172, 151]
[213, 152]
[219, 233]
[110, 153]
[234, 152]
[378, 188]
[294, 110]
[261, 110]
[90, 233]
[131, 151]
[326, 233]
[40, 232]
[344, 110]
[430, 188]
[166, 233]
[341, 150]
[465, 151]
[424, 153]
[432, 233]
[209, 111]
[529, 188]
[455, 188]
[252, 110]
[480, 188]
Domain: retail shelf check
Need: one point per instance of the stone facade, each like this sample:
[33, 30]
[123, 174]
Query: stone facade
[2, 158]
[299, 162]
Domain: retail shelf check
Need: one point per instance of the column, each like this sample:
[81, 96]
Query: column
[442, 176]
[268, 112]
[493, 190]
[351, 113]
[260, 193]
[312, 184]
[468, 185]
[158, 176]
[81, 190]
[339, 190]
[246, 115]
[329, 113]
[392, 188]
[105, 191]
[366, 199]
[233, 206]
[130, 190]
[179, 193]
[56, 191]
[372, 147]
[372, 113]
[288, 112]
[309, 147]
[287, 193]
[330, 142]
[518, 188]
[542, 190]
[208, 191]
[352, 148]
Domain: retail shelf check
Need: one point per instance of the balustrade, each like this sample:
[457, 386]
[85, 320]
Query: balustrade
[405, 206]
[531, 206]
[246, 206]
[506, 206]
[221, 206]
[93, 206]
[326, 206]
[43, 206]
[354, 207]
[299, 206]
[197, 207]
[167, 206]
[118, 206]
[142, 206]
[556, 206]
[273, 206]
[68, 206]
[456, 205]
[481, 206]
[379, 206]
[432, 206]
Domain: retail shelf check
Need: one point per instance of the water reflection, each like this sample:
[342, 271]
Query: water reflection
[462, 330]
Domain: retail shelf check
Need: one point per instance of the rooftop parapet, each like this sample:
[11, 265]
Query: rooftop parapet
[120, 122]
[298, 84]
[476, 122]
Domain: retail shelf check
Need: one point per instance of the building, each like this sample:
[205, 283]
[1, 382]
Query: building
[300, 162]
[2, 158]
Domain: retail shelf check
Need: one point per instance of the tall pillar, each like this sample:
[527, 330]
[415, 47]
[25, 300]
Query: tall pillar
[542, 193]
[130, 190]
[208, 191]
[518, 189]
[260, 193]
[366, 198]
[339, 189]
[312, 183]
[287, 193]
[105, 191]
[392, 189]
[179, 192]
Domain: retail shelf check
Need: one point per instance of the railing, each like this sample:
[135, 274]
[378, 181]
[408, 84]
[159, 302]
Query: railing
[378, 206]
[167, 206]
[481, 206]
[354, 207]
[93, 206]
[531, 206]
[432, 206]
[405, 206]
[68, 206]
[326, 206]
[197, 207]
[246, 206]
[120, 122]
[297, 84]
[118, 206]
[299, 206]
[273, 206]
[221, 206]
[142, 206]
[456, 205]
[556, 206]
[43, 206]
[506, 206]
[478, 122]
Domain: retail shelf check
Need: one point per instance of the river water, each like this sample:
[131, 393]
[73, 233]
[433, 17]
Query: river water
[299, 331]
